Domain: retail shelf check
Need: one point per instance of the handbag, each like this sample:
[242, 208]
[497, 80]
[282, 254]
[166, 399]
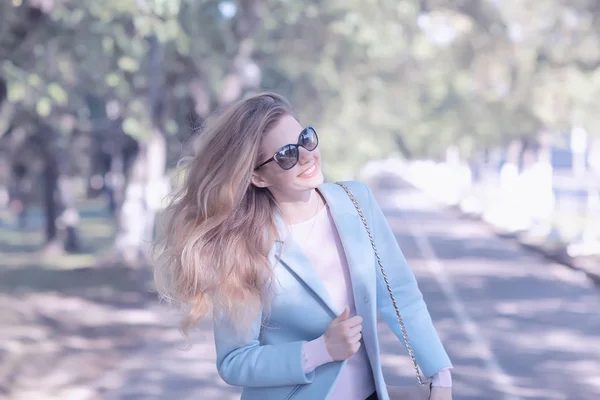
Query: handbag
[422, 390]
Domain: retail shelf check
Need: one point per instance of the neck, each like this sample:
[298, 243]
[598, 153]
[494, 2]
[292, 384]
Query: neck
[300, 210]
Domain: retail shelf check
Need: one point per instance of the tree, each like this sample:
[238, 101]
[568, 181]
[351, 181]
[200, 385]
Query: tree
[126, 82]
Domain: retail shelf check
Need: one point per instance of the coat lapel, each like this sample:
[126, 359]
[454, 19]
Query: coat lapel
[296, 261]
[352, 236]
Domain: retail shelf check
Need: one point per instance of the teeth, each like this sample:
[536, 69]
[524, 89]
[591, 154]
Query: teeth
[310, 170]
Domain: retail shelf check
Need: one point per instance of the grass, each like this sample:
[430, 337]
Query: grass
[21, 247]
[27, 269]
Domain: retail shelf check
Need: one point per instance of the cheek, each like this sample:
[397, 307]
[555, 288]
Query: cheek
[282, 176]
[316, 153]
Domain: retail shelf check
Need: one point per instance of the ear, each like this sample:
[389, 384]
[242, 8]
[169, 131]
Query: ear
[259, 181]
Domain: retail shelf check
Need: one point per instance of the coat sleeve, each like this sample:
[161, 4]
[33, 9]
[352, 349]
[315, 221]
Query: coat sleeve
[427, 346]
[243, 361]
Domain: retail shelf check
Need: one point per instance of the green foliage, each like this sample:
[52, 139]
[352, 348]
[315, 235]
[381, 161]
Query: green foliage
[366, 73]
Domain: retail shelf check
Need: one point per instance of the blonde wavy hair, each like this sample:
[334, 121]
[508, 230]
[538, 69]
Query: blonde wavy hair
[215, 235]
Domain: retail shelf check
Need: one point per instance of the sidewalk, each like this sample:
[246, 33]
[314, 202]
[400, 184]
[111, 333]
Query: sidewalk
[167, 367]
[496, 308]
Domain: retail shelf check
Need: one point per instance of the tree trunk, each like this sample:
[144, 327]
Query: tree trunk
[146, 187]
[157, 183]
[62, 216]
[514, 152]
[69, 217]
[401, 144]
[3, 90]
[131, 216]
[114, 182]
[21, 189]
[144, 190]
[50, 184]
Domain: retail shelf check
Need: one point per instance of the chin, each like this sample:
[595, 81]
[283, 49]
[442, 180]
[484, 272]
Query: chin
[315, 182]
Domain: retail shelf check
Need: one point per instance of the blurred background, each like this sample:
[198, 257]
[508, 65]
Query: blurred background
[475, 122]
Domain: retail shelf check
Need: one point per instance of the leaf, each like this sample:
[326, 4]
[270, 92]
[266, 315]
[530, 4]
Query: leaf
[44, 107]
[113, 79]
[172, 29]
[171, 127]
[132, 127]
[58, 93]
[16, 92]
[35, 80]
[128, 64]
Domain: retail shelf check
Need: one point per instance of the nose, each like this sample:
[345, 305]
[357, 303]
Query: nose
[304, 155]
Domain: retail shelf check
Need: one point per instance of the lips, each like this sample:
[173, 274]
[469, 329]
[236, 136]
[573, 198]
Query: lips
[309, 171]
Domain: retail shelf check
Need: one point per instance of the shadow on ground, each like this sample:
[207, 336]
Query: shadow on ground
[66, 320]
[98, 333]
[536, 321]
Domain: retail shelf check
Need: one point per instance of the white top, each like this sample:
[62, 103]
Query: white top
[319, 239]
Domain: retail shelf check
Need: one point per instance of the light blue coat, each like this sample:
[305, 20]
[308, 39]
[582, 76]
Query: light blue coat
[268, 361]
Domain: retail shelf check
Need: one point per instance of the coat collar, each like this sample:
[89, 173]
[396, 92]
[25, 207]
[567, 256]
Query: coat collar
[352, 236]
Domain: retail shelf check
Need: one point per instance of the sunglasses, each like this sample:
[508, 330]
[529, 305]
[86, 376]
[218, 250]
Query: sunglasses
[287, 156]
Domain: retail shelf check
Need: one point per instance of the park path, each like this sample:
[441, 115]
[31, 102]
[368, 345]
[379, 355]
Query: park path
[516, 326]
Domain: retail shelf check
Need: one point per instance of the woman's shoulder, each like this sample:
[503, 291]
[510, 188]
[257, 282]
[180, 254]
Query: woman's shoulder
[359, 189]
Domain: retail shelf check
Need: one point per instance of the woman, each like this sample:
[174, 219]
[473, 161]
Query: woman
[285, 264]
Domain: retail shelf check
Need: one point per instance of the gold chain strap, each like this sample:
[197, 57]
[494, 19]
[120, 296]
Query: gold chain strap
[387, 283]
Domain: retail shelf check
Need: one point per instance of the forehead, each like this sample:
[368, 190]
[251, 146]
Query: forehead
[286, 131]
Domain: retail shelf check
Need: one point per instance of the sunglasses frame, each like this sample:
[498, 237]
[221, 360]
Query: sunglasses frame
[296, 145]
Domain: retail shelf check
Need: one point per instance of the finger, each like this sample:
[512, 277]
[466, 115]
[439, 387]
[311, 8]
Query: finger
[356, 338]
[354, 330]
[352, 322]
[344, 315]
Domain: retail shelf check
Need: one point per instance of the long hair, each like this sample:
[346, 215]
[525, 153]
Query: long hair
[215, 235]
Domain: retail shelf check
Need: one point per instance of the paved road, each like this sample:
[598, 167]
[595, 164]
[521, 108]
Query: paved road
[515, 326]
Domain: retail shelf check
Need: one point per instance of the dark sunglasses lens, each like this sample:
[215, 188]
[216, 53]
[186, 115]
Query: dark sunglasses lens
[309, 139]
[287, 157]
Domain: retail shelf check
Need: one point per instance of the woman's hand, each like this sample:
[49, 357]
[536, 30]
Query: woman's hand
[440, 393]
[343, 335]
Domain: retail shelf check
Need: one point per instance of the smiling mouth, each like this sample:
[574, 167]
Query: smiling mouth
[310, 170]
